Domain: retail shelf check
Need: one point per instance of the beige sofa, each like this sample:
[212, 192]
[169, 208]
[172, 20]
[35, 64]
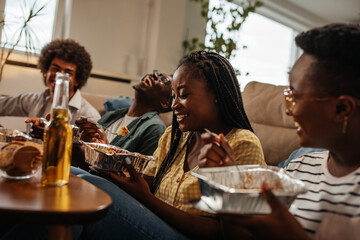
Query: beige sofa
[265, 107]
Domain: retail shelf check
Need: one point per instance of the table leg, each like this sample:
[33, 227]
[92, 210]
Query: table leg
[60, 232]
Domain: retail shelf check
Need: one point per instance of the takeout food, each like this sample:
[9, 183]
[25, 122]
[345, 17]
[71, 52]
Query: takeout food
[19, 158]
[8, 135]
[111, 158]
[252, 179]
[237, 189]
[123, 130]
[109, 150]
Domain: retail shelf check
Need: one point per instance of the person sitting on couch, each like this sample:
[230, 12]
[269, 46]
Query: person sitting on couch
[206, 95]
[324, 101]
[141, 119]
[62, 55]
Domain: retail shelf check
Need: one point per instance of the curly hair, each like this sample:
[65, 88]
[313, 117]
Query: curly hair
[336, 48]
[69, 51]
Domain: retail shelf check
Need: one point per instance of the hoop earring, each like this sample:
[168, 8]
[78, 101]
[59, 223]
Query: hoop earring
[345, 125]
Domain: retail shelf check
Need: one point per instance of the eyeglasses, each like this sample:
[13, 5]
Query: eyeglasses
[290, 100]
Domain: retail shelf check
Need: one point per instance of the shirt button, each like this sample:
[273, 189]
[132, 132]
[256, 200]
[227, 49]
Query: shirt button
[178, 180]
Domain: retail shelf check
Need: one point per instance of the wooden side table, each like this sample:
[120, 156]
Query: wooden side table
[78, 202]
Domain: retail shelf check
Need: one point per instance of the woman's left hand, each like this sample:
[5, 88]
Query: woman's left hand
[135, 185]
[216, 152]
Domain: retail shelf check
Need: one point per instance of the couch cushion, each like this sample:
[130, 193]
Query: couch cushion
[96, 100]
[119, 102]
[265, 107]
[277, 142]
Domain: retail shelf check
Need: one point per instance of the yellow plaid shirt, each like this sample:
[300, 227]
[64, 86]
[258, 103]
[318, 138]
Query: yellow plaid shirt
[177, 187]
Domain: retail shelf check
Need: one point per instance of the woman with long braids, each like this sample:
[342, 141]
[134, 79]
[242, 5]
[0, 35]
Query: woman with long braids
[206, 95]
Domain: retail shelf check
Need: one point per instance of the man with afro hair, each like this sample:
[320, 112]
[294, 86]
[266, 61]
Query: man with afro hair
[61, 55]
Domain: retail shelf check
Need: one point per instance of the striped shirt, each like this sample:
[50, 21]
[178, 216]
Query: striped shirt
[177, 187]
[326, 194]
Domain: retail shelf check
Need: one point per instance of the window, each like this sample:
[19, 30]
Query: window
[265, 51]
[42, 25]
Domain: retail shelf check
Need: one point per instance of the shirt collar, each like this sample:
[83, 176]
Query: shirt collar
[75, 101]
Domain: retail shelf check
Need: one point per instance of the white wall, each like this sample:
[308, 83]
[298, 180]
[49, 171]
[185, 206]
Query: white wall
[130, 37]
[126, 38]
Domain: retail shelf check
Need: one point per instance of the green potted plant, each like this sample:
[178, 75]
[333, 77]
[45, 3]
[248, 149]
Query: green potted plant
[222, 14]
[9, 43]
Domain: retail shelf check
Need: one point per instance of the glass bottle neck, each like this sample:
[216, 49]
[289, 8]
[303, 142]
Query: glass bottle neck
[61, 97]
[61, 92]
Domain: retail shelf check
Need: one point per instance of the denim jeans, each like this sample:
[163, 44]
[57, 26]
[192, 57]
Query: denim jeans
[126, 219]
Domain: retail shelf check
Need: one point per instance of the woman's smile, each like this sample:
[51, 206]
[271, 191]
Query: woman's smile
[181, 117]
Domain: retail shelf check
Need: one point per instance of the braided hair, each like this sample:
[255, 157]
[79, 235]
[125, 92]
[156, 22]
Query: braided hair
[221, 79]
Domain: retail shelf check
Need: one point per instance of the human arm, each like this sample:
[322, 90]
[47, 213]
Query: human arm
[91, 131]
[335, 226]
[192, 225]
[243, 145]
[19, 105]
[216, 152]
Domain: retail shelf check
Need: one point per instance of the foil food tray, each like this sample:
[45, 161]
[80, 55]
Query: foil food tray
[111, 158]
[237, 189]
[8, 135]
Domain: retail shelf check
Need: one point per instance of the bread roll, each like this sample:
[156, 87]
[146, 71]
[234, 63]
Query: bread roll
[19, 158]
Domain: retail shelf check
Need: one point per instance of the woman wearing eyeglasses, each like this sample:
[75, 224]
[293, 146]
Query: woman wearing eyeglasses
[323, 100]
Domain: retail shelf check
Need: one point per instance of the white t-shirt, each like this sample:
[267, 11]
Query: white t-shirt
[124, 121]
[327, 196]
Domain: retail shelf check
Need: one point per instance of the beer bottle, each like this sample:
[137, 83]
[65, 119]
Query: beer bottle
[58, 137]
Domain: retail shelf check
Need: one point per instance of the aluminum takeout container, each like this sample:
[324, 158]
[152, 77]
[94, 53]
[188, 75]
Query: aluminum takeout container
[8, 135]
[237, 189]
[98, 155]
